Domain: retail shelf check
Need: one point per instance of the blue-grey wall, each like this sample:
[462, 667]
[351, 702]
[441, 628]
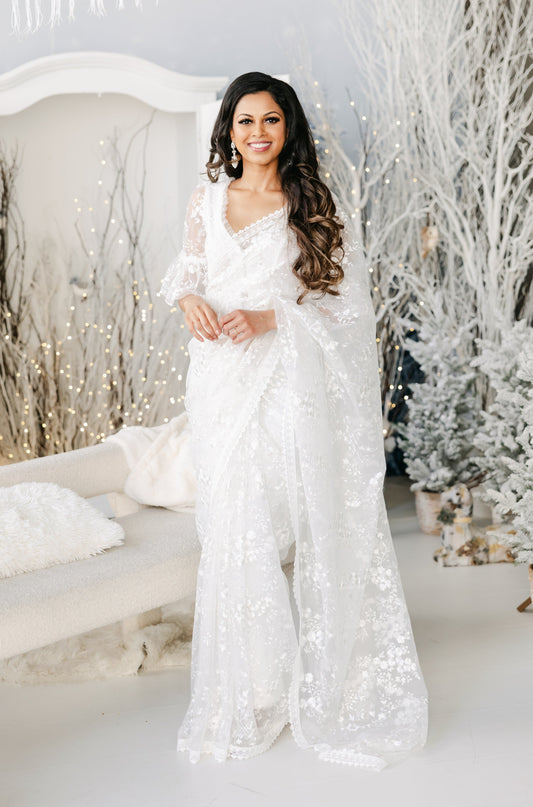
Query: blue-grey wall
[204, 37]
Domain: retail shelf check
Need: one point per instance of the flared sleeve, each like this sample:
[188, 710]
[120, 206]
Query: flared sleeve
[358, 695]
[186, 273]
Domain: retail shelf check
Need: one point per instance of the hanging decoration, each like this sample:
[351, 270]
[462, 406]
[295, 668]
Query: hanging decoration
[430, 239]
[33, 12]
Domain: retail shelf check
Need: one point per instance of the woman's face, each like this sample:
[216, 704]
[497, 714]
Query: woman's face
[259, 129]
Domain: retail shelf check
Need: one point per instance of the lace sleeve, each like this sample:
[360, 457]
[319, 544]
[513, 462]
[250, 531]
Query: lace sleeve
[186, 273]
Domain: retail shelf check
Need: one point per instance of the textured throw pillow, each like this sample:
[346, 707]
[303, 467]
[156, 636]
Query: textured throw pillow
[42, 524]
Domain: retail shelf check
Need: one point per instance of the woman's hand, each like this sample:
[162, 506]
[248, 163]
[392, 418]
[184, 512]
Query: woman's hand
[200, 318]
[241, 325]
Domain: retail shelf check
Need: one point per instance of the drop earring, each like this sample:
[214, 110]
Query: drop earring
[234, 158]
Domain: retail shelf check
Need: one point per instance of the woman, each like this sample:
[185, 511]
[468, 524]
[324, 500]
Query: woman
[283, 398]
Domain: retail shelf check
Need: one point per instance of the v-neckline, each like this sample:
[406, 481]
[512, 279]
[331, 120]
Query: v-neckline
[227, 226]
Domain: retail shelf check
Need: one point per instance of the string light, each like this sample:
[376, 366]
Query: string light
[108, 410]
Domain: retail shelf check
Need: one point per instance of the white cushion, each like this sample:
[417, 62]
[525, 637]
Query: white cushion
[43, 524]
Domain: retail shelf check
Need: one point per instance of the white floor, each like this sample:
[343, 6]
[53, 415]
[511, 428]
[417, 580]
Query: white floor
[111, 743]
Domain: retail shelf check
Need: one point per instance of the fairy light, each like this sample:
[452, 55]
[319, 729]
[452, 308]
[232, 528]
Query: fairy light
[108, 384]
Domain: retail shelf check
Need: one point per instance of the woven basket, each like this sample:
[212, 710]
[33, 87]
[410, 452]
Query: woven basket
[428, 507]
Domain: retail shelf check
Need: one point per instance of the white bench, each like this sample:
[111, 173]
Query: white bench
[157, 563]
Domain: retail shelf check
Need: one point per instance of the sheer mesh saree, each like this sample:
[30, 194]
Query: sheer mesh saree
[288, 449]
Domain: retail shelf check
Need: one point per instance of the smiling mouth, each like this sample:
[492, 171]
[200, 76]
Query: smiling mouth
[262, 146]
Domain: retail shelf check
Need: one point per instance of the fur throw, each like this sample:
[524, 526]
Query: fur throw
[103, 653]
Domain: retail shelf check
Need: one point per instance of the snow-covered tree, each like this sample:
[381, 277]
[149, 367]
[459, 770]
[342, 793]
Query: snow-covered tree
[515, 497]
[443, 414]
[498, 437]
[441, 139]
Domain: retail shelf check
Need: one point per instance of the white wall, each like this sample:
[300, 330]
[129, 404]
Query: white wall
[63, 162]
[204, 37]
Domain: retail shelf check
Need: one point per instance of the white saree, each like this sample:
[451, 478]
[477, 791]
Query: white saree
[288, 449]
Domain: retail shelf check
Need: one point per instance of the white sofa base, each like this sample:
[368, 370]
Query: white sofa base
[156, 565]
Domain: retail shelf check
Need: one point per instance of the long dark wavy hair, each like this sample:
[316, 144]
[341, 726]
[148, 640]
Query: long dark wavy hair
[311, 209]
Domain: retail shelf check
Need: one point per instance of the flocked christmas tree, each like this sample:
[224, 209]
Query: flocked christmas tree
[498, 437]
[443, 414]
[515, 497]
